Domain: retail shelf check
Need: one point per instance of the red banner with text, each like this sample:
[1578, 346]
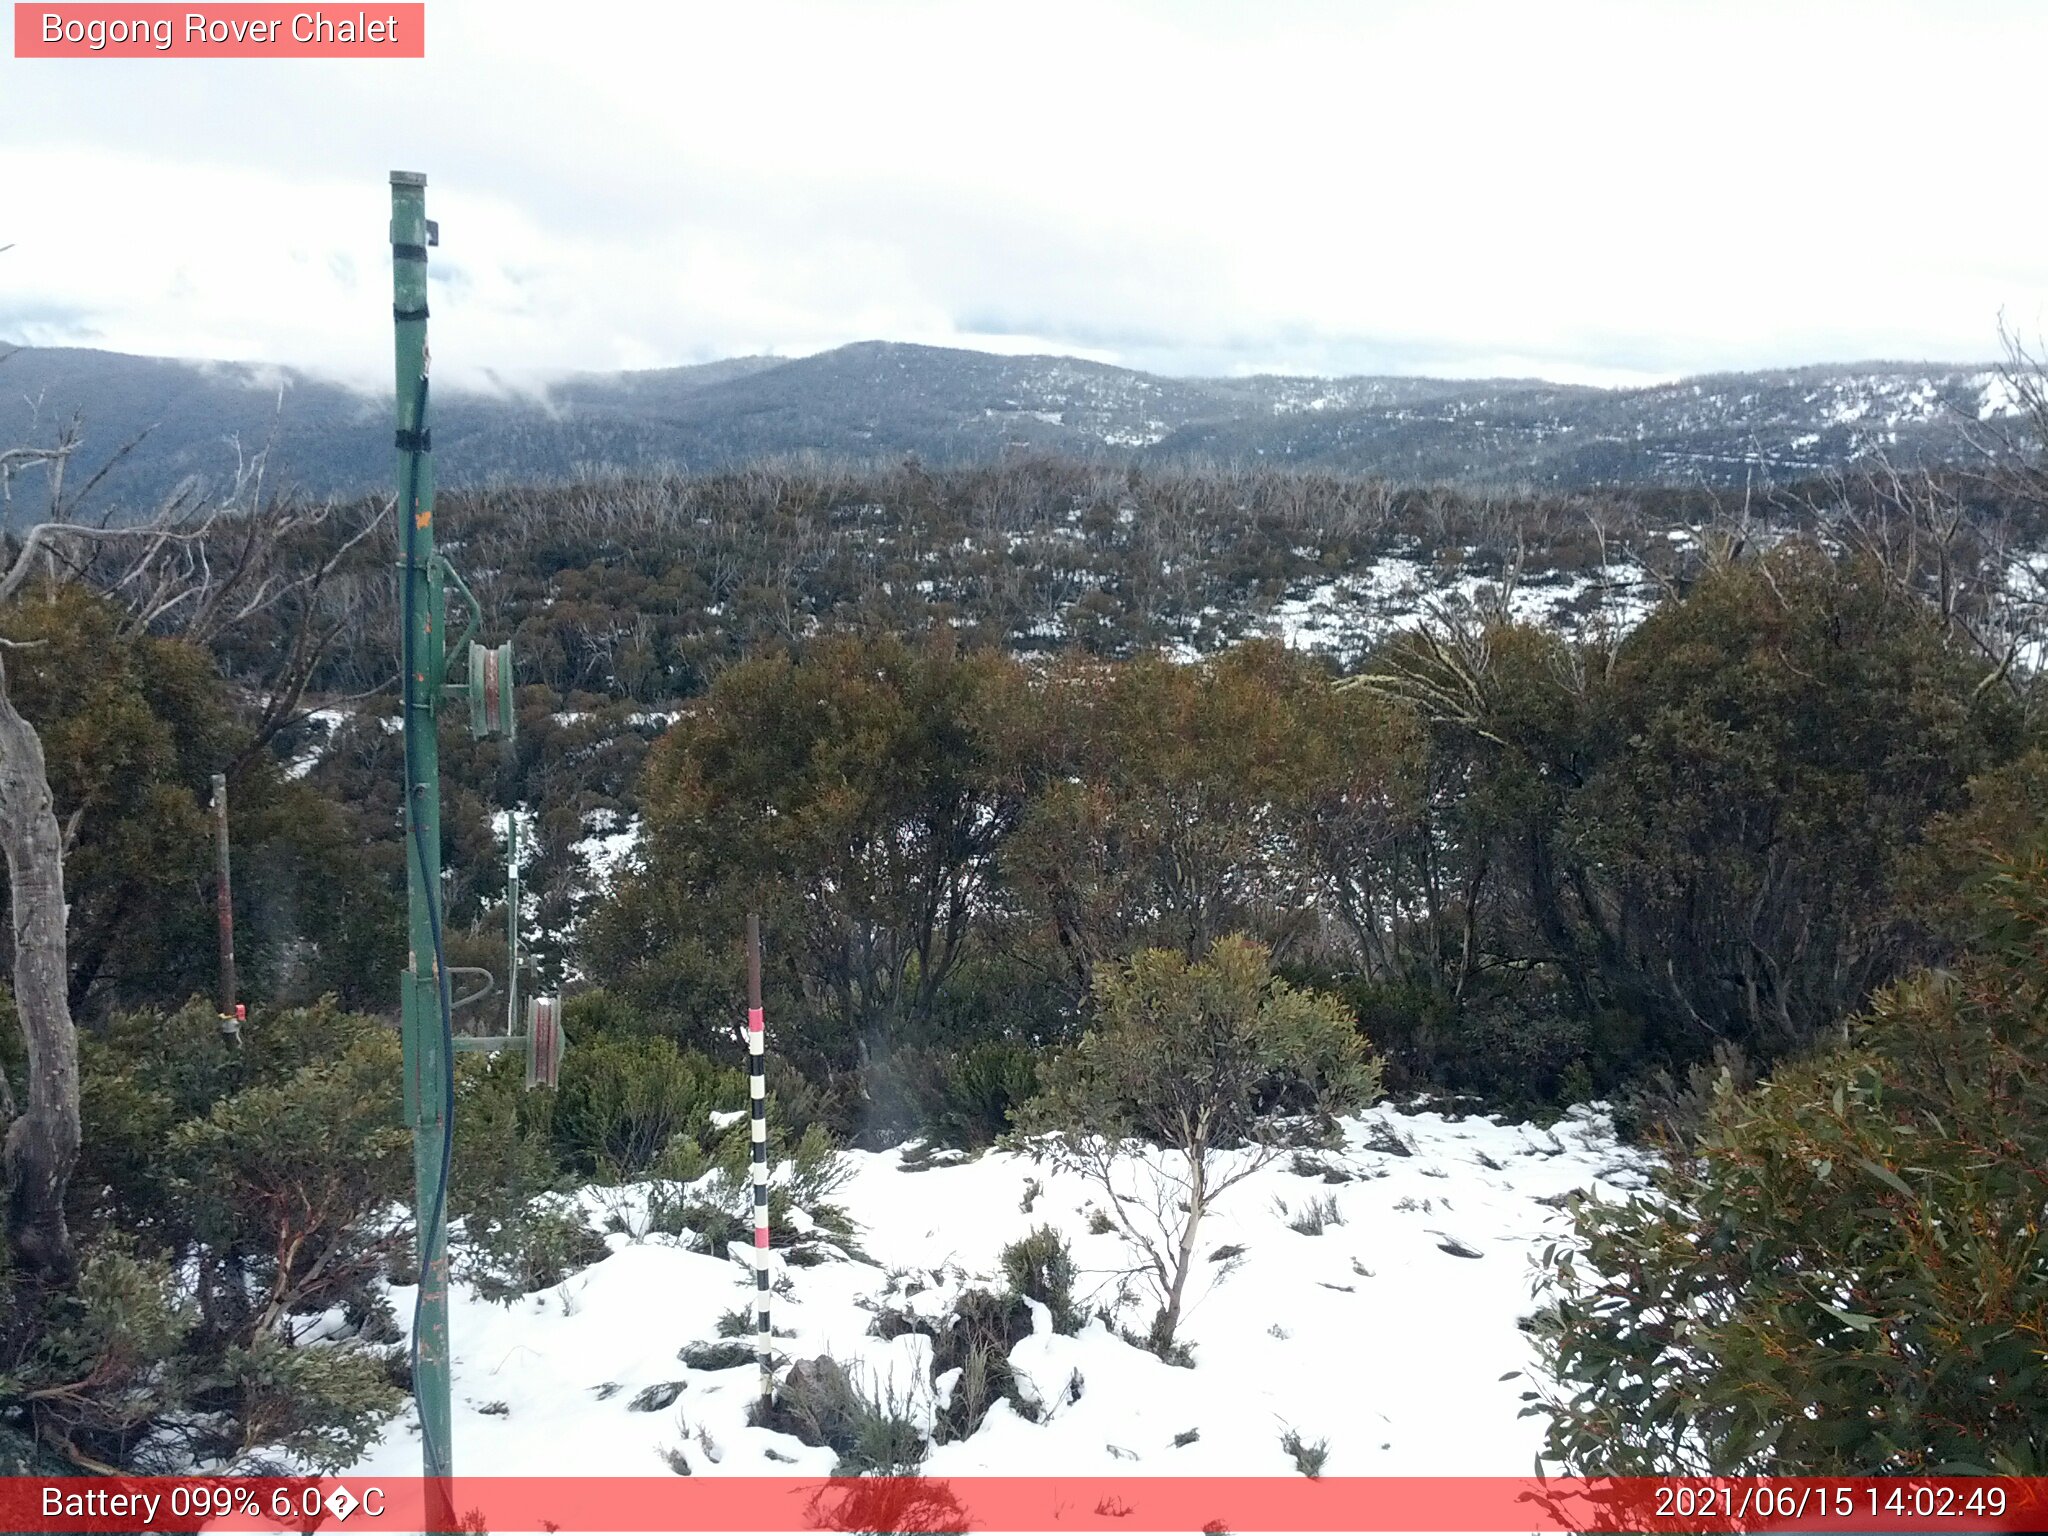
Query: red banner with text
[245, 31]
[505, 1505]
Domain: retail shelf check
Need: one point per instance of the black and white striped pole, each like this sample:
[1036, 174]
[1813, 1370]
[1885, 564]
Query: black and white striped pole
[757, 1087]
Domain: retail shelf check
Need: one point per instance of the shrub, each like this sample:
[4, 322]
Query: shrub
[1314, 1218]
[1409, 1023]
[719, 1207]
[977, 1090]
[319, 1407]
[1512, 1042]
[807, 1169]
[868, 1423]
[1308, 1456]
[710, 1226]
[513, 1239]
[622, 1101]
[106, 1340]
[534, 1247]
[598, 1014]
[906, 1504]
[1041, 1267]
[975, 1338]
[284, 1180]
[655, 1396]
[1670, 1111]
[723, 1356]
[1308, 1166]
[1847, 1275]
[832, 1102]
[1192, 1060]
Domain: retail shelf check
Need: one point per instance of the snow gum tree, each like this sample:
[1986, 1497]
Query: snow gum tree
[1187, 1084]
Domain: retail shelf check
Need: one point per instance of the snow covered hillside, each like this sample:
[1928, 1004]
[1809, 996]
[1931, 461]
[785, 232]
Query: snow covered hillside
[876, 401]
[1387, 1334]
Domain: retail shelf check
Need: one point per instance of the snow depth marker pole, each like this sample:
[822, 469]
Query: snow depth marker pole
[757, 1086]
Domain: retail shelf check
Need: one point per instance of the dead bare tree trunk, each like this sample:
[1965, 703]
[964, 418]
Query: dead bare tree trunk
[42, 1140]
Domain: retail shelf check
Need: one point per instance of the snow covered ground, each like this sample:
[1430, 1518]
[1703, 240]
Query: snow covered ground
[1372, 1335]
[326, 723]
[609, 848]
[1346, 616]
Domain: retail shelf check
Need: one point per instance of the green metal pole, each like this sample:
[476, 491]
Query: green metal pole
[422, 603]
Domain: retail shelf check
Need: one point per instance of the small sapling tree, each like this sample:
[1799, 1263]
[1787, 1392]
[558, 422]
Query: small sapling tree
[1185, 1087]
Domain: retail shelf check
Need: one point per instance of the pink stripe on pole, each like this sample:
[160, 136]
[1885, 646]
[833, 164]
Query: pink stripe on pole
[760, 1237]
[754, 1018]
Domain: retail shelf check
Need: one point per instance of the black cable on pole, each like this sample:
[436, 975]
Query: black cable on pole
[431, 1219]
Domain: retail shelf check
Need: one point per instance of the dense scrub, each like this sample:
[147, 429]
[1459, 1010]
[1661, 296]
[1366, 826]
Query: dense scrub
[1850, 1273]
[1537, 869]
[627, 597]
[233, 1207]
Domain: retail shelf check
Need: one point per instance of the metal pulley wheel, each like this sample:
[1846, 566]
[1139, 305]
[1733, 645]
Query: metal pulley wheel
[490, 690]
[543, 1041]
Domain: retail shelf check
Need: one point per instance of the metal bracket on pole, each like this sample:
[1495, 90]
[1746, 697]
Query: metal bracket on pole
[490, 985]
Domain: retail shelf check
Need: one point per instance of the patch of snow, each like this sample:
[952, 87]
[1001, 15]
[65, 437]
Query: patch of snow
[1346, 616]
[610, 845]
[1277, 1336]
[329, 723]
[1996, 396]
[1133, 437]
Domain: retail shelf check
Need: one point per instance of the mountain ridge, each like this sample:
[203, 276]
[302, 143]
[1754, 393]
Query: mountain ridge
[883, 400]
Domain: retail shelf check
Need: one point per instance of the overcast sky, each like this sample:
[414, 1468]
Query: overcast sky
[1588, 192]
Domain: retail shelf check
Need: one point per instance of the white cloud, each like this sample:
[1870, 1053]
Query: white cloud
[1594, 191]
